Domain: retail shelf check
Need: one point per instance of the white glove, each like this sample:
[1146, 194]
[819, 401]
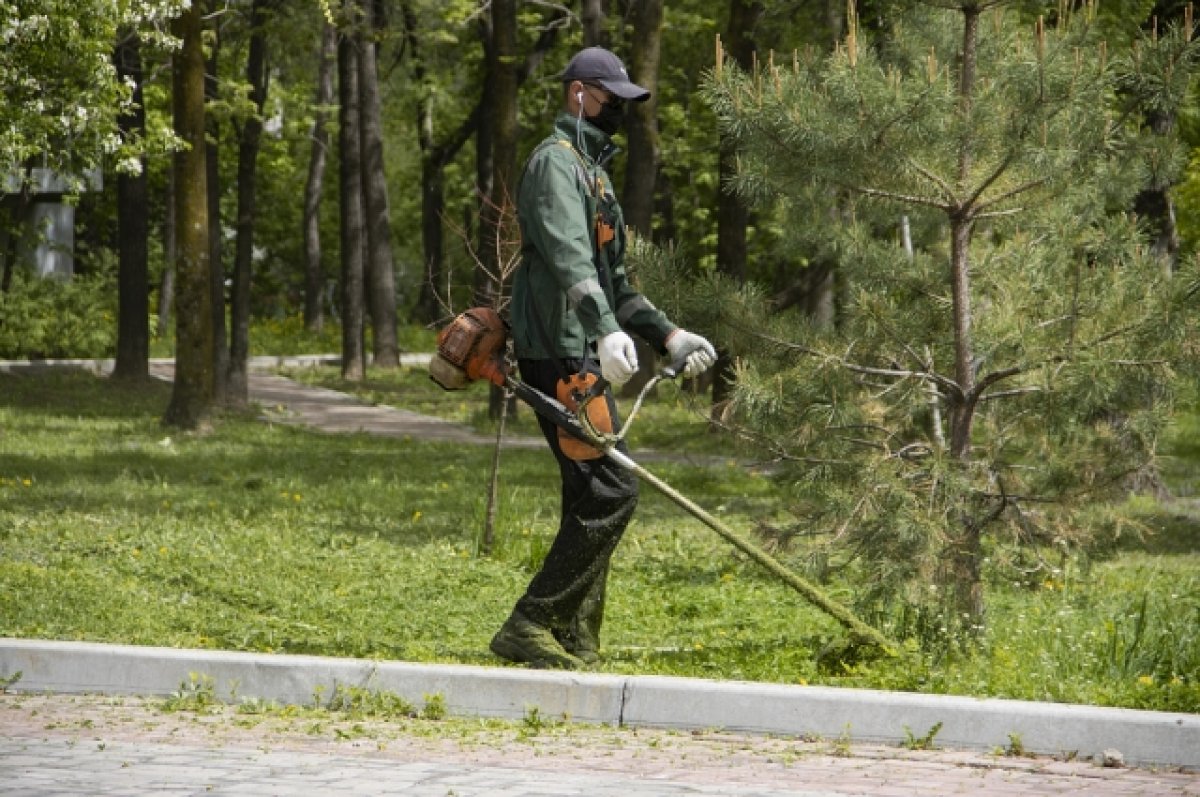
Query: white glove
[618, 358]
[696, 352]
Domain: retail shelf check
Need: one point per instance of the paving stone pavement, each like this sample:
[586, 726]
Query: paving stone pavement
[88, 745]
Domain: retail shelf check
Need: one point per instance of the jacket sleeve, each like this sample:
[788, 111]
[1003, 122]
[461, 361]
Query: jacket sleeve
[554, 196]
[634, 311]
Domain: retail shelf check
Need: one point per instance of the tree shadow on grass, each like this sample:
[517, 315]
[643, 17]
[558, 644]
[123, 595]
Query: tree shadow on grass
[1174, 529]
[79, 393]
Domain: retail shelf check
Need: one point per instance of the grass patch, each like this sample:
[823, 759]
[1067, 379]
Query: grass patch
[270, 538]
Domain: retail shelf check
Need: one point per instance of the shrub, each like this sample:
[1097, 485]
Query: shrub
[49, 318]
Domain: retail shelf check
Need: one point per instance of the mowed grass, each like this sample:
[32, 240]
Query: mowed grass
[271, 538]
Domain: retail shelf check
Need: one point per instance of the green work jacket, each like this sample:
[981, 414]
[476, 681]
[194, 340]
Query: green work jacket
[563, 188]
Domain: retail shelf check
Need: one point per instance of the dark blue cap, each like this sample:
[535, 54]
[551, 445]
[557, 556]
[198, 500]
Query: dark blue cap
[599, 66]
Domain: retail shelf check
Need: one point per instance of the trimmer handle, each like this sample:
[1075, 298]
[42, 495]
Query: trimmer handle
[666, 372]
[674, 369]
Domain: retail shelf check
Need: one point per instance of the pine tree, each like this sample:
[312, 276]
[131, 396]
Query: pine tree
[984, 397]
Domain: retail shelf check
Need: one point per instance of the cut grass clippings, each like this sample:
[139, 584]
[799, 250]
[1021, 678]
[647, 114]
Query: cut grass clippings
[271, 538]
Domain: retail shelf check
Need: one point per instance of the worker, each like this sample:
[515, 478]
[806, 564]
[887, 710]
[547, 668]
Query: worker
[573, 309]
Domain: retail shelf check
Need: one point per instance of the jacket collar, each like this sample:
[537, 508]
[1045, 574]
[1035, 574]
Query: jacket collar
[590, 141]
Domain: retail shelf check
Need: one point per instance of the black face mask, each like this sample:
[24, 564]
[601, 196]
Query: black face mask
[610, 117]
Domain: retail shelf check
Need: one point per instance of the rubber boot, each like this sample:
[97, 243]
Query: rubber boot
[581, 638]
[524, 641]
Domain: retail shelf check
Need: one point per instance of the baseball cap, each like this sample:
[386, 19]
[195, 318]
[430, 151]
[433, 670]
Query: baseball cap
[597, 65]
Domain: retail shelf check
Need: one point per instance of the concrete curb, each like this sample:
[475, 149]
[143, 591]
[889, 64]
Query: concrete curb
[1145, 738]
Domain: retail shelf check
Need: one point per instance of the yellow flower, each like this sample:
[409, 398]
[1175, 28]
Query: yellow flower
[1146, 680]
[27, 482]
[416, 516]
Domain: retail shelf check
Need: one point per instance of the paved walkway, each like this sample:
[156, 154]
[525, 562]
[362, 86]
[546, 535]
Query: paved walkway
[60, 745]
[287, 401]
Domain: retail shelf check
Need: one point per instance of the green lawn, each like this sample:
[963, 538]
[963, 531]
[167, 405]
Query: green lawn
[271, 538]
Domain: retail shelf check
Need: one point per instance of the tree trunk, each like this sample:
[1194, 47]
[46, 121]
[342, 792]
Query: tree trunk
[238, 387]
[965, 553]
[642, 161]
[592, 15]
[380, 266]
[500, 209]
[166, 288]
[435, 156]
[502, 95]
[8, 238]
[732, 215]
[314, 282]
[133, 299]
[216, 257]
[192, 395]
[485, 160]
[1154, 204]
[352, 233]
[433, 205]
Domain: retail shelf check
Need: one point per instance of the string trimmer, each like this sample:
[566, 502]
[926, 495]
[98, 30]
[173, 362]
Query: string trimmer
[473, 348]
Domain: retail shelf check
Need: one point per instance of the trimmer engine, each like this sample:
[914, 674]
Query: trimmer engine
[470, 348]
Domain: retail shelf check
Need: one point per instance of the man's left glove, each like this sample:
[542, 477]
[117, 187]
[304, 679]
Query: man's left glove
[696, 352]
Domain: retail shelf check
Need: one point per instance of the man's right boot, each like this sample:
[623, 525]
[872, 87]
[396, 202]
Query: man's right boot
[524, 641]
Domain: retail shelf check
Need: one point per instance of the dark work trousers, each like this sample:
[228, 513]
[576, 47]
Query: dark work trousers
[598, 499]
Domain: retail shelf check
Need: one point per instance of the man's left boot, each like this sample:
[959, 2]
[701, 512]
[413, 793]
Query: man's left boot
[581, 638]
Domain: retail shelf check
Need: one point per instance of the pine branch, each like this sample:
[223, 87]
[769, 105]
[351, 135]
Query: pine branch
[933, 178]
[997, 214]
[905, 198]
[991, 379]
[948, 384]
[1018, 391]
[996, 174]
[1028, 186]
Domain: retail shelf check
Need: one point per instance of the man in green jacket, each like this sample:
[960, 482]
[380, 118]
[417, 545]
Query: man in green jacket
[572, 311]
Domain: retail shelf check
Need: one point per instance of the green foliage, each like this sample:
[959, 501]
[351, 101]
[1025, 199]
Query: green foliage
[923, 742]
[60, 83]
[358, 702]
[8, 681]
[1015, 746]
[435, 707]
[198, 694]
[42, 317]
[1023, 402]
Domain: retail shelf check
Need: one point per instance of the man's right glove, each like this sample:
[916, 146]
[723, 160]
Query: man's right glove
[618, 358]
[696, 352]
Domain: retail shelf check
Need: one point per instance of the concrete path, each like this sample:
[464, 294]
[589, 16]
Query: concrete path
[284, 400]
